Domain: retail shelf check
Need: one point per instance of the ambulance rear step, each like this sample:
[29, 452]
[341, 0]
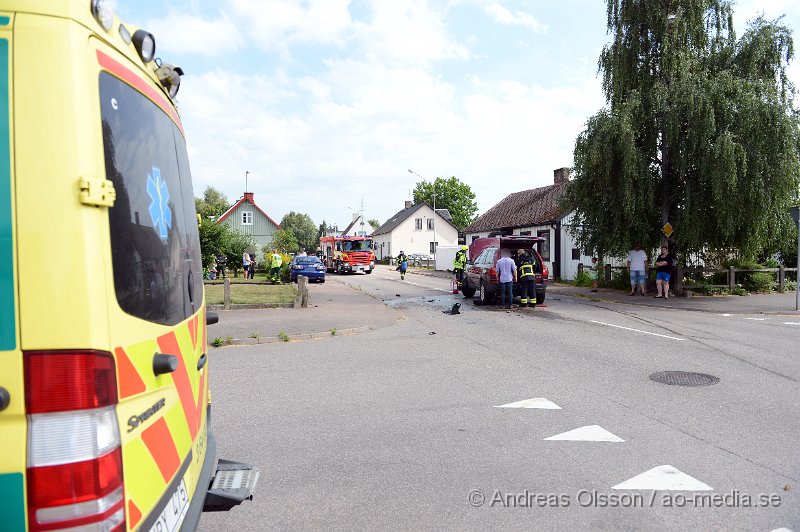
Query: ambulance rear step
[233, 483]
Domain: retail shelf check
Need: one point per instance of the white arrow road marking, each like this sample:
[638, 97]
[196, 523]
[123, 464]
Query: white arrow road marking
[587, 433]
[637, 330]
[663, 477]
[536, 402]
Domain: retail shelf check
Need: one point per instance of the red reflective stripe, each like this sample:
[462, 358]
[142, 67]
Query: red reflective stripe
[132, 79]
[193, 332]
[159, 442]
[134, 513]
[169, 344]
[130, 382]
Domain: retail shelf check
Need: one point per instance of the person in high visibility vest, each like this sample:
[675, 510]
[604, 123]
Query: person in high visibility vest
[402, 264]
[527, 278]
[459, 263]
[275, 267]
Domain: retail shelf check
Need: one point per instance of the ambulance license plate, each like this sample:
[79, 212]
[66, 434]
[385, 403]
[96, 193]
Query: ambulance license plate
[172, 515]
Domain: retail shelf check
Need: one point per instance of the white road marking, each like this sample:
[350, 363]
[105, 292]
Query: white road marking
[757, 319]
[639, 331]
[416, 284]
[663, 477]
[587, 433]
[782, 529]
[536, 402]
[726, 315]
[791, 322]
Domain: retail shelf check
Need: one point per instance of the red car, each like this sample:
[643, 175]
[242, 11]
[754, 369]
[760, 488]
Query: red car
[481, 277]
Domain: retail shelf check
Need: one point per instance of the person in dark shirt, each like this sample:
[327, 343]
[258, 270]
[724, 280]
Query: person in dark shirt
[663, 271]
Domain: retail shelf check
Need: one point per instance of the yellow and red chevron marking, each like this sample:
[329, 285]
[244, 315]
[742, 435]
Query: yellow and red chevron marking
[159, 442]
[169, 344]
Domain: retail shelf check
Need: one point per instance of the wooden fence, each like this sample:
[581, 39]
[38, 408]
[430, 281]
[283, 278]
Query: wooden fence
[681, 272]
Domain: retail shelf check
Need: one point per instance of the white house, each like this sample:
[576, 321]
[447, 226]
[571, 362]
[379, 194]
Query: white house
[411, 230]
[536, 212]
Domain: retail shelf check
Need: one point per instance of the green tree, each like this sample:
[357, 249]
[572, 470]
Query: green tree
[451, 194]
[284, 241]
[220, 238]
[322, 230]
[301, 227]
[699, 129]
[375, 223]
[212, 204]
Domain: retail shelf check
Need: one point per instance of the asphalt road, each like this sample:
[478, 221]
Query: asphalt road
[399, 428]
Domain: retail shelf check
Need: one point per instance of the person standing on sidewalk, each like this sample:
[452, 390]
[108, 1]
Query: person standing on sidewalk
[246, 265]
[664, 272]
[637, 263]
[507, 275]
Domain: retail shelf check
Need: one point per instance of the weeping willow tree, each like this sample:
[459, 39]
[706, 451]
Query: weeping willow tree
[699, 129]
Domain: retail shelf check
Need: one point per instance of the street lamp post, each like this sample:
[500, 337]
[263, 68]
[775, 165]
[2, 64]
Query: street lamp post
[410, 171]
[796, 215]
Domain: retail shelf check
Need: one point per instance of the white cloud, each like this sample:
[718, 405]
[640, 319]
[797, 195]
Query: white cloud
[503, 16]
[183, 33]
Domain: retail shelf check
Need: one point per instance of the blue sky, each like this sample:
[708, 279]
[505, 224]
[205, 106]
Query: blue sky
[328, 102]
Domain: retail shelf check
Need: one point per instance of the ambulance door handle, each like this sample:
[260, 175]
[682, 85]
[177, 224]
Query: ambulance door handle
[164, 363]
[202, 362]
[5, 398]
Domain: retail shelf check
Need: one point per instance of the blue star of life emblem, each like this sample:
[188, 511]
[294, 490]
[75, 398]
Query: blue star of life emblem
[160, 213]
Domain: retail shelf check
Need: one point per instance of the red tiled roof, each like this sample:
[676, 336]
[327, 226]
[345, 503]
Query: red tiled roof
[537, 206]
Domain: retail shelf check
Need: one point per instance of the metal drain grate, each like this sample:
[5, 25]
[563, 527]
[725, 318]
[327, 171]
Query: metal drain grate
[683, 378]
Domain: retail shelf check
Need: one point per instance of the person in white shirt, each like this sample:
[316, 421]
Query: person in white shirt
[637, 263]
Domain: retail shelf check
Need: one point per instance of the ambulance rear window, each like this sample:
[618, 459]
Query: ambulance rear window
[154, 239]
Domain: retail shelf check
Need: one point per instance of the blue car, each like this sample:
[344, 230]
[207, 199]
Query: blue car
[310, 266]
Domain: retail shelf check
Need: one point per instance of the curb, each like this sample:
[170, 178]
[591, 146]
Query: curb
[254, 306]
[596, 299]
[299, 337]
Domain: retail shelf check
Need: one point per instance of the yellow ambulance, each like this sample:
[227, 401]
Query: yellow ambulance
[104, 419]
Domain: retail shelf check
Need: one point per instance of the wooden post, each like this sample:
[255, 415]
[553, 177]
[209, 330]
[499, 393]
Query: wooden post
[226, 293]
[302, 282]
[781, 277]
[731, 278]
[608, 274]
[678, 284]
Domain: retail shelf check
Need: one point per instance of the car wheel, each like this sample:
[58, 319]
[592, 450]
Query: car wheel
[368, 272]
[540, 297]
[322, 280]
[483, 295]
[466, 289]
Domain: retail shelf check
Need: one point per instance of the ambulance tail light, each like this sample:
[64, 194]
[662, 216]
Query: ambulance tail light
[74, 453]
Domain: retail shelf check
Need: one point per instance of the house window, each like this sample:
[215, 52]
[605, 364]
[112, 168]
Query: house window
[433, 247]
[418, 224]
[576, 254]
[430, 224]
[247, 218]
[524, 233]
[544, 246]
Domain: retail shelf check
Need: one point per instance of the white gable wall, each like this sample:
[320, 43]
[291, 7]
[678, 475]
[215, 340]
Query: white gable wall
[408, 238]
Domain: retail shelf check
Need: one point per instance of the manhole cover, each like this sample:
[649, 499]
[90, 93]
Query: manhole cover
[683, 378]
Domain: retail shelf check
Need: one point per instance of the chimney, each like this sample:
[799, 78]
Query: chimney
[560, 175]
[408, 204]
[249, 196]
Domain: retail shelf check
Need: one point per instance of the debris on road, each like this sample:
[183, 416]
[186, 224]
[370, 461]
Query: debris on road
[453, 310]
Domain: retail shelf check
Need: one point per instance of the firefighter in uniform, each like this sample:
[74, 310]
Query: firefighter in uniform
[459, 263]
[402, 264]
[527, 279]
[275, 267]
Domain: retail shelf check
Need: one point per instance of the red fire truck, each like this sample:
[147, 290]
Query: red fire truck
[347, 254]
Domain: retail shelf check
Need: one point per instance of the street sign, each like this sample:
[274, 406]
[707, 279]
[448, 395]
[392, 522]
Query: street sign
[668, 230]
[795, 214]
